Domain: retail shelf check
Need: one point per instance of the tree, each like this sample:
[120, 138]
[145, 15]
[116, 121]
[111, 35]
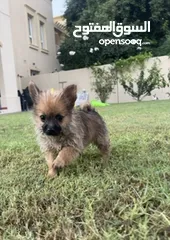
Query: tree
[73, 11]
[105, 80]
[82, 12]
[143, 86]
[164, 48]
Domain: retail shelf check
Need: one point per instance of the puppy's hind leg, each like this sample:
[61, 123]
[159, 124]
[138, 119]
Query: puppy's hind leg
[103, 144]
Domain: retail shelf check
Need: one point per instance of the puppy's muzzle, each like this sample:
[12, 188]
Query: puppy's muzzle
[52, 130]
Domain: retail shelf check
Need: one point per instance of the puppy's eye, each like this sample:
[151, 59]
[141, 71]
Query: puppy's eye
[59, 117]
[43, 117]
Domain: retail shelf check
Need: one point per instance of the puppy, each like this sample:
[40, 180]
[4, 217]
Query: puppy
[63, 132]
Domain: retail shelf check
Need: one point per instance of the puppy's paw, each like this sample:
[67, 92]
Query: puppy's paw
[58, 163]
[51, 173]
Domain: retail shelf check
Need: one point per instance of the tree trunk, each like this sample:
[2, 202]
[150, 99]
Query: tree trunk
[103, 99]
[138, 99]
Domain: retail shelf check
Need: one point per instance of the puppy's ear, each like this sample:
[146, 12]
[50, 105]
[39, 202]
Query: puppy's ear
[34, 91]
[69, 96]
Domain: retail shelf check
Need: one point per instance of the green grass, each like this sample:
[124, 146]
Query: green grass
[129, 198]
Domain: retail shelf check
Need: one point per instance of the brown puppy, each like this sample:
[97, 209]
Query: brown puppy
[63, 130]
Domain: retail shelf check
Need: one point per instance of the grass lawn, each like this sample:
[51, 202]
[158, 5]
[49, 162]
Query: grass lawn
[129, 198]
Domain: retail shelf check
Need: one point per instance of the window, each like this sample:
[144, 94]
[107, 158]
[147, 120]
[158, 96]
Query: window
[30, 28]
[34, 72]
[42, 22]
[42, 35]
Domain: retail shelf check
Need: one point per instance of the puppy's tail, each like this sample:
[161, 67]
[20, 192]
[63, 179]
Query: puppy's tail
[87, 107]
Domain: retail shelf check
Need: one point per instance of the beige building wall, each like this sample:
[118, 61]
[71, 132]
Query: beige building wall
[84, 78]
[8, 82]
[31, 56]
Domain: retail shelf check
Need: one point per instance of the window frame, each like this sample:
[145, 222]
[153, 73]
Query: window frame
[30, 12]
[42, 21]
[34, 71]
[42, 35]
[30, 27]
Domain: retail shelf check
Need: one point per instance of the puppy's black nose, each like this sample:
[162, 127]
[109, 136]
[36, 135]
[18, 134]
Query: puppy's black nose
[50, 131]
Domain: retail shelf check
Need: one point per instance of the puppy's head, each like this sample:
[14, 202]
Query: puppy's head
[52, 109]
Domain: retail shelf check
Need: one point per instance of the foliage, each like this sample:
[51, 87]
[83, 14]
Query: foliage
[143, 86]
[168, 75]
[104, 83]
[164, 48]
[124, 65]
[74, 11]
[122, 71]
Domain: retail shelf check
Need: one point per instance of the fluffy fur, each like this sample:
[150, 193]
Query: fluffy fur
[63, 132]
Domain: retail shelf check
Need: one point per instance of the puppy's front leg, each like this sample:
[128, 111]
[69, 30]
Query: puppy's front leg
[50, 159]
[65, 156]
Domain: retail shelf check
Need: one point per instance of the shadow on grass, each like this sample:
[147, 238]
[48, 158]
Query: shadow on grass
[90, 162]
